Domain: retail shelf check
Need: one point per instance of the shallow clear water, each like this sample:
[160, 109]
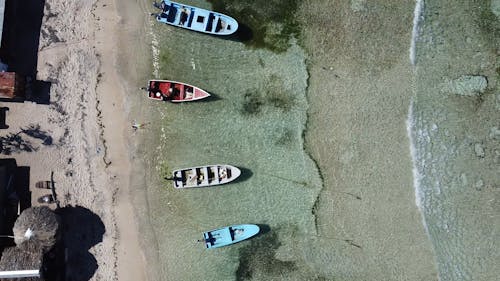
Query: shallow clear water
[456, 156]
[255, 121]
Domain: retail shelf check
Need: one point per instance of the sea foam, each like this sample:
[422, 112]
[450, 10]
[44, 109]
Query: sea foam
[417, 18]
[410, 126]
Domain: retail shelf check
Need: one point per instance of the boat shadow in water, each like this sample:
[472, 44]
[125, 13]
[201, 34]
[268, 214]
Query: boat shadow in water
[245, 174]
[243, 34]
[213, 97]
[264, 229]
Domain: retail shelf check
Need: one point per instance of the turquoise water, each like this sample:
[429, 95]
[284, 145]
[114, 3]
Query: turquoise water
[255, 121]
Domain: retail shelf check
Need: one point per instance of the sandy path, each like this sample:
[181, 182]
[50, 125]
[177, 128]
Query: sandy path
[131, 261]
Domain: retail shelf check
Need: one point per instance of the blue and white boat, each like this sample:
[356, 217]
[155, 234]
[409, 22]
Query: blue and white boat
[195, 18]
[229, 235]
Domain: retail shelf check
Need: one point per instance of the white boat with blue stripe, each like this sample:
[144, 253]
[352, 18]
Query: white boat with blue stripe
[195, 18]
[229, 235]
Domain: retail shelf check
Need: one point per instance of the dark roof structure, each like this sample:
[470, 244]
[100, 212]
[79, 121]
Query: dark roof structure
[27, 256]
[38, 225]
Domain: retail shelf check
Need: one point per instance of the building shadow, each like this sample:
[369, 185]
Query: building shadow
[3, 117]
[81, 230]
[15, 195]
[19, 48]
[23, 187]
[21, 35]
[38, 91]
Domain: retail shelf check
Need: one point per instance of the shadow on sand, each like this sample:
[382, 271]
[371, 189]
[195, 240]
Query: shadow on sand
[81, 230]
[3, 117]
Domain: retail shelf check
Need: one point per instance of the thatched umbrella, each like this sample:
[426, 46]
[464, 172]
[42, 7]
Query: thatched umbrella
[27, 256]
[37, 225]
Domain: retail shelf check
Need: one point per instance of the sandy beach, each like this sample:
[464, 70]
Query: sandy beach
[88, 128]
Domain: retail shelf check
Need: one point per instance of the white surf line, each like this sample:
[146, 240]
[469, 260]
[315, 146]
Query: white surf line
[417, 18]
[417, 176]
[410, 125]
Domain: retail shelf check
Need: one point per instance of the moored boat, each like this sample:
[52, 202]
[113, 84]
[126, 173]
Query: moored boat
[203, 176]
[194, 18]
[174, 91]
[229, 235]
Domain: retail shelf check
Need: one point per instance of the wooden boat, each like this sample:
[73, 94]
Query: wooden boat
[194, 18]
[205, 176]
[229, 235]
[173, 91]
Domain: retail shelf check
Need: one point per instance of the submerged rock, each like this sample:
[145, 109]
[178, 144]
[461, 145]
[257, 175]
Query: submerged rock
[358, 5]
[495, 7]
[479, 184]
[495, 133]
[479, 150]
[467, 85]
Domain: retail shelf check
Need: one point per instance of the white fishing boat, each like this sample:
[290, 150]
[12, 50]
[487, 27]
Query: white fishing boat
[194, 18]
[204, 176]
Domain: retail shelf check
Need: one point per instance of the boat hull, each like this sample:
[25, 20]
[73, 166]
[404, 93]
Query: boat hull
[229, 235]
[194, 18]
[204, 176]
[173, 91]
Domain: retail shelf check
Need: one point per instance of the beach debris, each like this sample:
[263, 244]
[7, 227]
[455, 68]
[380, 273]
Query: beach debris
[136, 125]
[466, 85]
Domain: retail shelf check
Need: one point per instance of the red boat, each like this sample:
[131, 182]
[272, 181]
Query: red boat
[173, 91]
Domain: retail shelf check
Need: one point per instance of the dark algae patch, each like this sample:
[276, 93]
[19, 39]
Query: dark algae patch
[277, 94]
[272, 22]
[487, 21]
[274, 95]
[252, 103]
[259, 257]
